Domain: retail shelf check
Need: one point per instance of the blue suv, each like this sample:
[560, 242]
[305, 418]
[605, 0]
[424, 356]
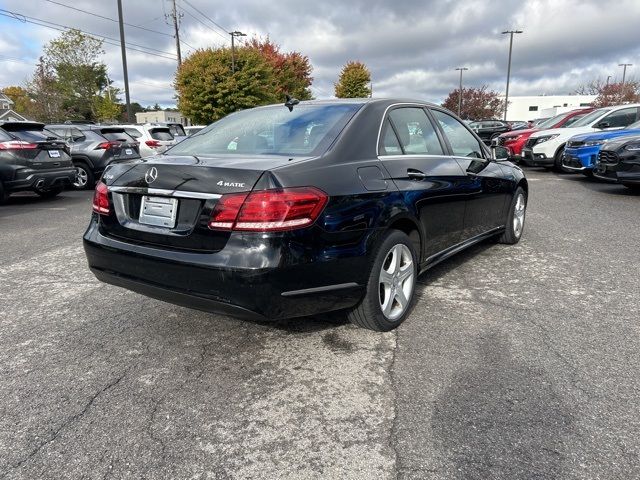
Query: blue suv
[581, 152]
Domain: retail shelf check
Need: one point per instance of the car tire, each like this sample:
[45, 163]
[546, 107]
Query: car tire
[557, 160]
[84, 179]
[4, 195]
[50, 192]
[391, 285]
[515, 219]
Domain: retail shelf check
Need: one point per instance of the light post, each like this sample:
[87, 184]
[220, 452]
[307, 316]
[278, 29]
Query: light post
[233, 48]
[624, 70]
[462, 69]
[506, 97]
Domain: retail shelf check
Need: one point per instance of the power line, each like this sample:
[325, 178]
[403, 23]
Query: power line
[205, 16]
[105, 39]
[204, 24]
[108, 18]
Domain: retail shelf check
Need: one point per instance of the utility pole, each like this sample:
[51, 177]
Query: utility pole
[608, 77]
[125, 73]
[462, 69]
[506, 97]
[233, 48]
[176, 26]
[624, 70]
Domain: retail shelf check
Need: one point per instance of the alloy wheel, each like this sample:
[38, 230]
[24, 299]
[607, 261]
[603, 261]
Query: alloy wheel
[396, 282]
[81, 178]
[518, 215]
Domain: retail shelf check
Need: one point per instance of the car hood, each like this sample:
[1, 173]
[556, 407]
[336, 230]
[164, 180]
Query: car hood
[515, 133]
[564, 132]
[590, 137]
[621, 141]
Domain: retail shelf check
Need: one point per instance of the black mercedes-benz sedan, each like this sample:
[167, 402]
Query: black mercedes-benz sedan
[297, 209]
[619, 161]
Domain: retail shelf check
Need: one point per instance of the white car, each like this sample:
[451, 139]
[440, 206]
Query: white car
[545, 148]
[153, 139]
[193, 129]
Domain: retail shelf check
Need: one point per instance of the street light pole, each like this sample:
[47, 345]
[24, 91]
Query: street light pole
[462, 69]
[233, 48]
[506, 97]
[624, 70]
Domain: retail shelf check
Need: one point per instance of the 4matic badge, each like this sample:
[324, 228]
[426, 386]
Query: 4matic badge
[222, 183]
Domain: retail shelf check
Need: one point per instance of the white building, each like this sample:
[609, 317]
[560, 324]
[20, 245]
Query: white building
[540, 106]
[6, 112]
[161, 116]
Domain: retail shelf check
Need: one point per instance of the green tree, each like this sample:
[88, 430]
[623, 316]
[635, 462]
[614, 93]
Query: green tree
[209, 90]
[74, 59]
[354, 81]
[44, 89]
[107, 106]
[477, 103]
[21, 100]
[292, 70]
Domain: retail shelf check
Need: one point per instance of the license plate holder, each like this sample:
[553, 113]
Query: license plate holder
[158, 211]
[128, 151]
[54, 153]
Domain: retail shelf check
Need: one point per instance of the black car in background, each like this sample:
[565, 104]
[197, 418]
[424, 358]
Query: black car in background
[296, 209]
[487, 130]
[33, 158]
[93, 147]
[619, 161]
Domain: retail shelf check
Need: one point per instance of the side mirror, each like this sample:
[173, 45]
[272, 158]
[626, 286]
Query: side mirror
[500, 153]
[602, 125]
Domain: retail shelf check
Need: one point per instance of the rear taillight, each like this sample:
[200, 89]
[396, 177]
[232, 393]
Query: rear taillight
[268, 210]
[101, 199]
[152, 143]
[106, 145]
[17, 145]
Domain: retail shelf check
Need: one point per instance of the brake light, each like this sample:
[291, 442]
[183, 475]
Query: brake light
[17, 145]
[268, 210]
[152, 143]
[101, 199]
[106, 145]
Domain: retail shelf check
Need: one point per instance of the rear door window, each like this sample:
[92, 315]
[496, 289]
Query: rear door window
[415, 131]
[462, 141]
[162, 134]
[389, 144]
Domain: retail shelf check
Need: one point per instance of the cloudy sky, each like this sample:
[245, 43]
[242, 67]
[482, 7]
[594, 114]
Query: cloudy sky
[412, 47]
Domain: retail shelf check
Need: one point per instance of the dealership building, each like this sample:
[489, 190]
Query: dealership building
[540, 106]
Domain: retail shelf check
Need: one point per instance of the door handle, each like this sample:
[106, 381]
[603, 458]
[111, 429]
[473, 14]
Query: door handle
[416, 174]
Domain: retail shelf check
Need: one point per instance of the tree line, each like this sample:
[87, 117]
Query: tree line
[71, 82]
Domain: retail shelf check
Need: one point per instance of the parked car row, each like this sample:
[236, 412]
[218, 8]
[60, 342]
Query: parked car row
[603, 142]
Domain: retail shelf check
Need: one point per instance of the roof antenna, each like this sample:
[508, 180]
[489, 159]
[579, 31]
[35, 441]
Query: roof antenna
[291, 102]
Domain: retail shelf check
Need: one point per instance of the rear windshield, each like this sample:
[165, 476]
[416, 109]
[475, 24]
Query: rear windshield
[160, 134]
[193, 131]
[134, 132]
[177, 130]
[121, 136]
[307, 129]
[34, 134]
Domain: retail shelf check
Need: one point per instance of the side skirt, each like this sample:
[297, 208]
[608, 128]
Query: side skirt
[435, 259]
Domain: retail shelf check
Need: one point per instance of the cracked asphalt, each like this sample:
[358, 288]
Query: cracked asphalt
[517, 362]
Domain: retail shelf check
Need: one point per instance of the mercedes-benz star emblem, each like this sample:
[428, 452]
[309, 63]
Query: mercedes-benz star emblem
[151, 175]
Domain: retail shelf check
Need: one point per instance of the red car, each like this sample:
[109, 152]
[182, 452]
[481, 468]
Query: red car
[515, 140]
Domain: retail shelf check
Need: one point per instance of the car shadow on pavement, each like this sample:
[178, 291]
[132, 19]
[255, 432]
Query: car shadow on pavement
[502, 418]
[596, 185]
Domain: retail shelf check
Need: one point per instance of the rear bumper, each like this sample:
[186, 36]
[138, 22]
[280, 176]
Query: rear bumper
[222, 283]
[27, 179]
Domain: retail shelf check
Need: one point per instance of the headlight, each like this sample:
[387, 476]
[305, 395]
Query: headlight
[546, 138]
[593, 143]
[512, 139]
[632, 147]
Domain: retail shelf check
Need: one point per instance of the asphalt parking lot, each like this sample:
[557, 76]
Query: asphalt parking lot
[517, 362]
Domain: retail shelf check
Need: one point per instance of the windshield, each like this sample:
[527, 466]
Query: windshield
[271, 130]
[549, 123]
[572, 121]
[591, 117]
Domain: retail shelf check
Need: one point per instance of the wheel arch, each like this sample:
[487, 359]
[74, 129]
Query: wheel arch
[84, 159]
[411, 228]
